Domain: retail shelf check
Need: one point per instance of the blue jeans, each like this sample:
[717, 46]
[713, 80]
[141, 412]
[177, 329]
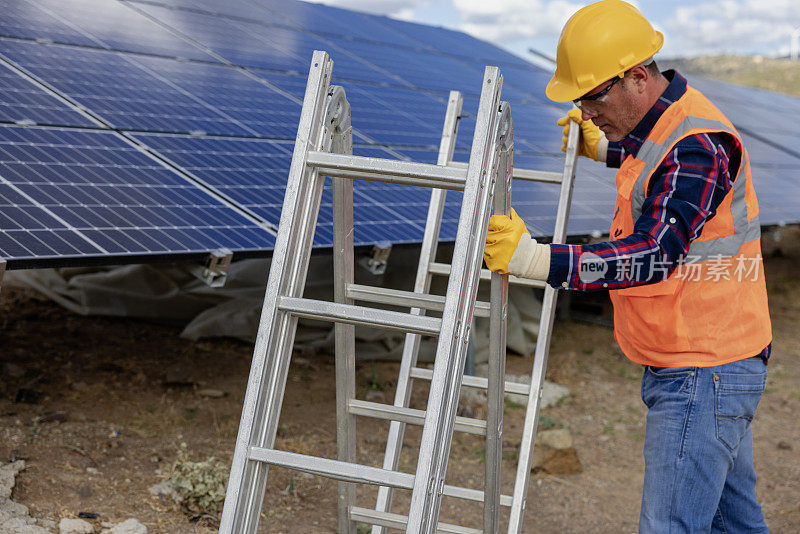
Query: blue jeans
[698, 449]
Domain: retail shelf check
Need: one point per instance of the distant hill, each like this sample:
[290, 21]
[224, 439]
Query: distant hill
[782, 75]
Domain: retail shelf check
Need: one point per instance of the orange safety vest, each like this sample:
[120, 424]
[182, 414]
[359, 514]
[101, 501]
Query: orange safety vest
[713, 309]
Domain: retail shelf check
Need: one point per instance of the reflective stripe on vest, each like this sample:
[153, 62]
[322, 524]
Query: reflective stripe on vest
[652, 154]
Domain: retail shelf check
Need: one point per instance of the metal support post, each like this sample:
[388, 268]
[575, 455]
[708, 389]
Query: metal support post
[542, 345]
[338, 124]
[495, 393]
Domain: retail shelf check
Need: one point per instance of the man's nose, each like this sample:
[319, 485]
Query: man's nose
[587, 114]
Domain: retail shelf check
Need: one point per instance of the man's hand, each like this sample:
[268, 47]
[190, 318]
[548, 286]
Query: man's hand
[510, 249]
[593, 143]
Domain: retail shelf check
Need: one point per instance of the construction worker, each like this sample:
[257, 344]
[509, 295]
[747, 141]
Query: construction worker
[683, 266]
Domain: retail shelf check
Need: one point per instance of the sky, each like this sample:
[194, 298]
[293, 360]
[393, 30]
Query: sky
[690, 27]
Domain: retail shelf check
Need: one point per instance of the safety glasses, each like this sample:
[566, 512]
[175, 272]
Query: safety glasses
[599, 96]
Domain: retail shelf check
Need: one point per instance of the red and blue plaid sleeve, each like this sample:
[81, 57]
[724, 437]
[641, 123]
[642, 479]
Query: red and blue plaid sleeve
[685, 191]
[615, 155]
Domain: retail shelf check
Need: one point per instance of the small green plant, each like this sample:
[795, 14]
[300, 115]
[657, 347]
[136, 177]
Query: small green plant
[200, 485]
[546, 422]
[512, 404]
[374, 384]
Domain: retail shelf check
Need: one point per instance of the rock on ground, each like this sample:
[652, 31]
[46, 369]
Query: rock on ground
[165, 488]
[8, 474]
[14, 518]
[130, 526]
[556, 461]
[74, 526]
[559, 438]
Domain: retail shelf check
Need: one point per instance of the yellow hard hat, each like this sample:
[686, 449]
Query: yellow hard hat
[600, 41]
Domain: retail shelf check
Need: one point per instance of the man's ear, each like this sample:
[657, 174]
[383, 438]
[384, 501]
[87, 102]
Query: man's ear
[639, 76]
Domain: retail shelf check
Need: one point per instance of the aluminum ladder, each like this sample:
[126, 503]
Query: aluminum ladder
[324, 148]
[409, 370]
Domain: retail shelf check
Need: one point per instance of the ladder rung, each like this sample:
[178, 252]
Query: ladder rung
[389, 520]
[383, 170]
[527, 175]
[473, 381]
[359, 315]
[411, 416]
[410, 299]
[538, 176]
[336, 469]
[473, 495]
[486, 275]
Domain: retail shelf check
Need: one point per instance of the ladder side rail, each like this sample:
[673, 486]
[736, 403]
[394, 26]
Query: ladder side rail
[457, 317]
[497, 342]
[422, 284]
[267, 379]
[344, 334]
[542, 345]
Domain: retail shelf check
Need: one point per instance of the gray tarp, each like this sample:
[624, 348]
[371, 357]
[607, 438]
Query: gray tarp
[170, 294]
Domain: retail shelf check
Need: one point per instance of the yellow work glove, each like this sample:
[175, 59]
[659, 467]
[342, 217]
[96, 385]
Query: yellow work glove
[593, 143]
[510, 249]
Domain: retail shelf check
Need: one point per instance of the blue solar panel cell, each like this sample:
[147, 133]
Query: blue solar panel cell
[24, 19]
[237, 9]
[268, 47]
[317, 18]
[240, 42]
[251, 173]
[328, 20]
[397, 117]
[21, 100]
[119, 90]
[89, 192]
[116, 26]
[420, 69]
[245, 100]
[452, 42]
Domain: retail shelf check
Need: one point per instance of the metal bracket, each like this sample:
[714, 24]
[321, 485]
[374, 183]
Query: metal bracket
[339, 136]
[376, 264]
[214, 271]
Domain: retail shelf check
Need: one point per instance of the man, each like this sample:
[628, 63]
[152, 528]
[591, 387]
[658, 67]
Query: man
[683, 266]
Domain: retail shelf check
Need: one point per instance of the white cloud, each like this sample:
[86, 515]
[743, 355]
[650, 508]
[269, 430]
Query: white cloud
[732, 26]
[509, 20]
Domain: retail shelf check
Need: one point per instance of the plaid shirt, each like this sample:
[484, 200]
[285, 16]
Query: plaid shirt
[684, 192]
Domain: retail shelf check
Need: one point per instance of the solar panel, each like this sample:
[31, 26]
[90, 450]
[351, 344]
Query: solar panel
[213, 92]
[69, 193]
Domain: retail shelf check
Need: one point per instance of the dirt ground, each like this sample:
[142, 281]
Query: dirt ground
[119, 396]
